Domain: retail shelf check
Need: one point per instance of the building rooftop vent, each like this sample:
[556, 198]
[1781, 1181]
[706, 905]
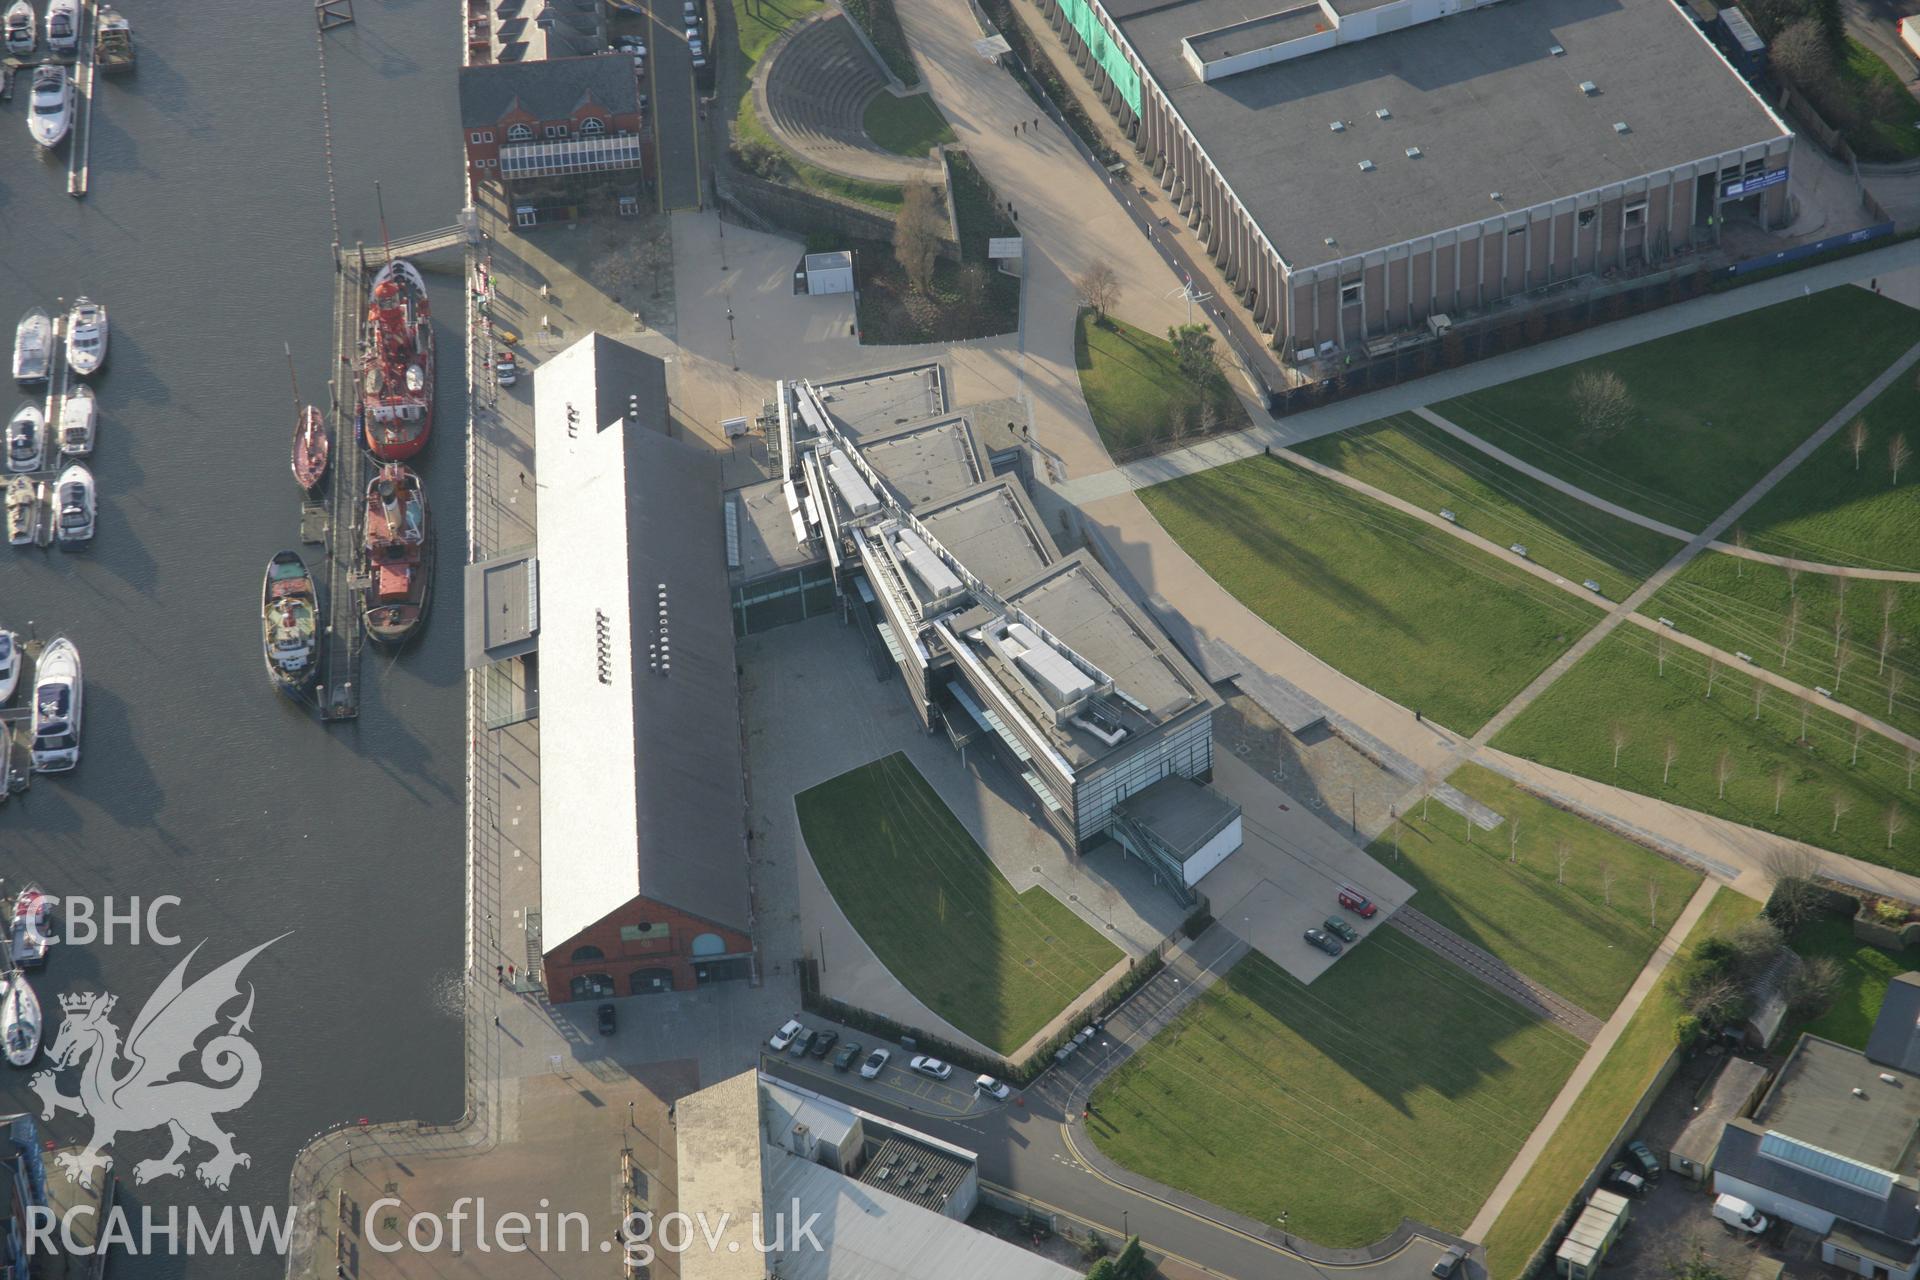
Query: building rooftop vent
[1620, 126]
[1366, 166]
[1413, 153]
[1338, 126]
[1556, 51]
[1331, 242]
[1383, 114]
[1494, 195]
[1589, 88]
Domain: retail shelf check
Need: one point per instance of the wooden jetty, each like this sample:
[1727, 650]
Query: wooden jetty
[338, 693]
[80, 145]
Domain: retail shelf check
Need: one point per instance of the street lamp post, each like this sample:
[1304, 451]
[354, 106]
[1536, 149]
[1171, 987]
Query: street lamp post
[1285, 1238]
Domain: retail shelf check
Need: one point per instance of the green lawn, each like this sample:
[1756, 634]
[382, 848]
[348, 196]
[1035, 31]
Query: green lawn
[1717, 406]
[996, 964]
[1414, 460]
[1743, 607]
[906, 126]
[1617, 1085]
[1588, 936]
[1865, 971]
[1570, 727]
[1395, 1086]
[1401, 607]
[1882, 138]
[1829, 512]
[1133, 386]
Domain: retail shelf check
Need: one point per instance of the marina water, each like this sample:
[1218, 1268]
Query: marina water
[206, 233]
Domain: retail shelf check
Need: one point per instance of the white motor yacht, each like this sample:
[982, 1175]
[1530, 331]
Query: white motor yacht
[12, 658]
[73, 504]
[50, 110]
[77, 416]
[27, 439]
[57, 690]
[20, 35]
[19, 1018]
[32, 346]
[86, 337]
[63, 26]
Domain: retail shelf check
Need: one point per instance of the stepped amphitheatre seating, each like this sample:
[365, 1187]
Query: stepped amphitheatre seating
[812, 94]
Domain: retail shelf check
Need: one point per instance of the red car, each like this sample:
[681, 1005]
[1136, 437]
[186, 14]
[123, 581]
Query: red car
[1358, 903]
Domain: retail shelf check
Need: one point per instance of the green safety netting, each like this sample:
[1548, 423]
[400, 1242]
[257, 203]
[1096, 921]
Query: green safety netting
[1105, 52]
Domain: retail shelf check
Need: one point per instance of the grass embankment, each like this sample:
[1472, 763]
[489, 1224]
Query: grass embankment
[1135, 391]
[1571, 727]
[1609, 1098]
[1403, 608]
[1865, 971]
[1585, 933]
[1412, 459]
[996, 964]
[757, 26]
[1716, 407]
[1745, 607]
[906, 126]
[1830, 511]
[1395, 1086]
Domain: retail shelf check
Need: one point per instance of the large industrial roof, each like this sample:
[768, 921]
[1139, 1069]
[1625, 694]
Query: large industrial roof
[1814, 1101]
[874, 402]
[993, 530]
[926, 460]
[1480, 95]
[640, 787]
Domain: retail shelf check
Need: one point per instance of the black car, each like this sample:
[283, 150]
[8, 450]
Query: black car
[848, 1055]
[1640, 1156]
[1327, 944]
[823, 1042]
[606, 1016]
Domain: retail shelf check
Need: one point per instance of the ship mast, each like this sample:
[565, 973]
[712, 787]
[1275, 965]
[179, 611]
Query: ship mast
[382, 202]
[293, 377]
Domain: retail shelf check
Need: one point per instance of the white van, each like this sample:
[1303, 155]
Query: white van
[1740, 1215]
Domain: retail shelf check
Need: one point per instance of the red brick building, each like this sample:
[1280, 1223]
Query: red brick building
[556, 135]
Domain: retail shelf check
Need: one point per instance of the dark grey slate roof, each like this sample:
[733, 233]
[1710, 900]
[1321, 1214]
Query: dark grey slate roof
[549, 89]
[1895, 1041]
[1739, 1157]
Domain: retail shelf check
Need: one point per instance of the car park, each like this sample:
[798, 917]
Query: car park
[823, 1042]
[930, 1067]
[1449, 1262]
[1641, 1157]
[1358, 903]
[606, 1016]
[1325, 942]
[876, 1063]
[848, 1055]
[1340, 929]
[995, 1089]
[784, 1036]
[801, 1043]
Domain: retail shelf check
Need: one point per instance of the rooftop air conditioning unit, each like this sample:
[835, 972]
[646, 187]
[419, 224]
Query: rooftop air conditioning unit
[1589, 88]
[1413, 153]
[1366, 166]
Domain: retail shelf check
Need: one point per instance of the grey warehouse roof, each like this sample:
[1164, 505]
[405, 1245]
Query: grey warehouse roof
[880, 401]
[926, 460]
[1489, 107]
[993, 530]
[550, 88]
[1896, 1031]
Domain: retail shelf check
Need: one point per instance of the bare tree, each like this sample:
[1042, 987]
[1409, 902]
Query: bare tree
[1841, 803]
[1841, 580]
[1790, 629]
[1896, 821]
[1602, 402]
[1913, 762]
[1840, 627]
[1857, 437]
[1779, 786]
[1606, 883]
[1859, 731]
[1842, 659]
[1740, 541]
[1099, 288]
[1806, 713]
[1889, 601]
[1620, 737]
[1898, 456]
[1812, 986]
[1886, 643]
[1796, 895]
[1759, 692]
[1803, 54]
[1793, 569]
[1723, 771]
[1562, 855]
[1713, 669]
[1660, 646]
[916, 234]
[1513, 840]
[1672, 753]
[1895, 678]
[1653, 902]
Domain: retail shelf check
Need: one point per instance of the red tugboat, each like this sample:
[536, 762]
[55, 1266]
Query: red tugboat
[399, 555]
[396, 364]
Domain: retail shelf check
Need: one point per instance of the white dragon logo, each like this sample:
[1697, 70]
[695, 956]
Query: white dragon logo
[145, 1096]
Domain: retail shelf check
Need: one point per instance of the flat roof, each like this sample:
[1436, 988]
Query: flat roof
[640, 790]
[993, 530]
[718, 1154]
[1489, 107]
[1183, 813]
[881, 401]
[1813, 1101]
[764, 531]
[926, 460]
[914, 1171]
[501, 613]
[1732, 1089]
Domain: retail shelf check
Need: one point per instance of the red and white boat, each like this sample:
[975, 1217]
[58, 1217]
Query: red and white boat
[399, 555]
[396, 364]
[311, 448]
[31, 928]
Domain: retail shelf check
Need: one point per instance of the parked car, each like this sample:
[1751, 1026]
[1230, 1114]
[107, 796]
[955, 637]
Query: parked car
[1326, 943]
[995, 1089]
[1340, 929]
[1740, 1215]
[631, 44]
[876, 1063]
[1624, 1179]
[930, 1067]
[1641, 1156]
[1449, 1262]
[801, 1043]
[784, 1036]
[606, 1016]
[690, 10]
[823, 1042]
[694, 46]
[506, 370]
[847, 1055]
[1358, 903]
